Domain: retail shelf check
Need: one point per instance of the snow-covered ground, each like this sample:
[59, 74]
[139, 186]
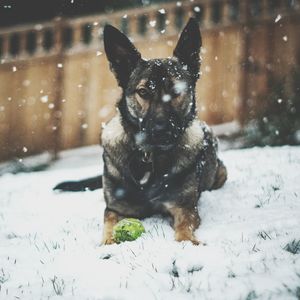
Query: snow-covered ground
[49, 242]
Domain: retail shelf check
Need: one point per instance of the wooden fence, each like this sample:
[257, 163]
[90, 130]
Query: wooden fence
[56, 88]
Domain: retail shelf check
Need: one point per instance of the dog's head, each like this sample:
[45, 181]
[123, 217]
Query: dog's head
[158, 99]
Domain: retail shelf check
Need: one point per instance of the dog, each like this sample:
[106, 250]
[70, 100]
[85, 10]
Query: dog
[158, 157]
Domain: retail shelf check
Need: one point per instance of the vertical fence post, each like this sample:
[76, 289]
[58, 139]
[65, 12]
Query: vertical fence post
[59, 85]
[5, 46]
[207, 15]
[39, 41]
[245, 32]
[225, 13]
[22, 45]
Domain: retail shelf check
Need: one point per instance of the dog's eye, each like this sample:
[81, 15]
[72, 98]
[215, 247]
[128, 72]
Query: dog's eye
[144, 93]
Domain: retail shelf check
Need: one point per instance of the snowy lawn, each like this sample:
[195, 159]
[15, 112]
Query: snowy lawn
[49, 242]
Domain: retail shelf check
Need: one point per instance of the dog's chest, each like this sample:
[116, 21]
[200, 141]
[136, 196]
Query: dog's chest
[147, 171]
[143, 185]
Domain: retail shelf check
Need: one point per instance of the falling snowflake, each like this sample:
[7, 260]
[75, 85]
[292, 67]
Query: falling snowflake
[152, 23]
[180, 87]
[166, 98]
[203, 50]
[104, 111]
[44, 99]
[140, 138]
[278, 18]
[26, 82]
[207, 69]
[119, 193]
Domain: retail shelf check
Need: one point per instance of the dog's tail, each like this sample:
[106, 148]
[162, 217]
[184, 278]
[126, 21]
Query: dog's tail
[88, 184]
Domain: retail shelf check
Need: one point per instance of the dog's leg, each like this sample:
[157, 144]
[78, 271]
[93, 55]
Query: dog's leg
[185, 222]
[221, 176]
[111, 218]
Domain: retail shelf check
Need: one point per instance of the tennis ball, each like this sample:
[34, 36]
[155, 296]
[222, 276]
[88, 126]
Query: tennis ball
[127, 230]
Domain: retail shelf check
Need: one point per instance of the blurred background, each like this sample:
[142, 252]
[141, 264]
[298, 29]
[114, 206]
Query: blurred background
[56, 88]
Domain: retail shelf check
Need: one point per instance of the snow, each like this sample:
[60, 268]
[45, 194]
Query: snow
[180, 87]
[50, 241]
[44, 99]
[166, 98]
[278, 18]
[152, 23]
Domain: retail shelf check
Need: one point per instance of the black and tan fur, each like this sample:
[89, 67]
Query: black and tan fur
[158, 157]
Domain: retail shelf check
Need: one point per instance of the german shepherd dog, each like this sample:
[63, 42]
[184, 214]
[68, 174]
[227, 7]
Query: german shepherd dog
[158, 157]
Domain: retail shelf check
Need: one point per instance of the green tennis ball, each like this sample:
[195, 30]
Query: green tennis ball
[128, 230]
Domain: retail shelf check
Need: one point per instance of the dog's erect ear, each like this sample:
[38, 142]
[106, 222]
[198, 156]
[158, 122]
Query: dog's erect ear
[188, 47]
[121, 53]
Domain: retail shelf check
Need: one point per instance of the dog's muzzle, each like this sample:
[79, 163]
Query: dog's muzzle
[163, 135]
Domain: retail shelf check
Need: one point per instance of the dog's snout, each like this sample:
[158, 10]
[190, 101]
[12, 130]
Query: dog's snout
[161, 133]
[160, 125]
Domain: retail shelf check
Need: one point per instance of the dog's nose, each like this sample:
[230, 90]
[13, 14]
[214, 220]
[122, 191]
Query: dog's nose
[160, 126]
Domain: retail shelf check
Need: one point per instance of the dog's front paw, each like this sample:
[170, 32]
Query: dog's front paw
[191, 238]
[108, 241]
